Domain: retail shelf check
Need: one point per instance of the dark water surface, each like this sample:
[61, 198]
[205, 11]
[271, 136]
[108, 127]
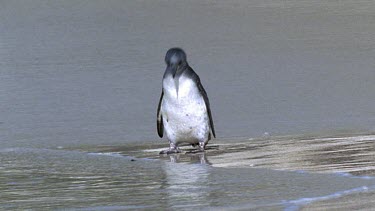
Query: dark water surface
[80, 82]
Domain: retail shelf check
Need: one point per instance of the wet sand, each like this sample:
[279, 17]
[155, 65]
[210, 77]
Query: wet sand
[341, 155]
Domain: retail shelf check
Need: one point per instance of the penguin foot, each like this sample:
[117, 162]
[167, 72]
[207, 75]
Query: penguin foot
[169, 151]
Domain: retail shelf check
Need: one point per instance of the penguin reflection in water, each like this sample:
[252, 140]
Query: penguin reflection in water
[184, 110]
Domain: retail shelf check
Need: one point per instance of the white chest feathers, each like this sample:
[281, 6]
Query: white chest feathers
[179, 88]
[184, 111]
[182, 93]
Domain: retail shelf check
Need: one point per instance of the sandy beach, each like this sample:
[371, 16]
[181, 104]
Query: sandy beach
[339, 155]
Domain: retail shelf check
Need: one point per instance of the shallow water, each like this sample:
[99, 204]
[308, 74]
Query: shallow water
[136, 177]
[80, 82]
[90, 72]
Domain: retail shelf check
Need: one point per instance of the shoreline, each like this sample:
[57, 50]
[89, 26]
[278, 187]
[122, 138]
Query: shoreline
[339, 155]
[319, 154]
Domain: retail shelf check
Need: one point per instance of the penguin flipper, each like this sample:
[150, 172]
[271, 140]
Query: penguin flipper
[190, 72]
[160, 125]
[207, 102]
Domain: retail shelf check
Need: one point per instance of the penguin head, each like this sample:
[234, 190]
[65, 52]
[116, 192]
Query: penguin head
[175, 57]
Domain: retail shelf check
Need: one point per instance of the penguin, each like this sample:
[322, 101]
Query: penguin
[184, 113]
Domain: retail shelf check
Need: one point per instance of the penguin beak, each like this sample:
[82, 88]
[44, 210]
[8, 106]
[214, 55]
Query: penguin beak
[174, 69]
